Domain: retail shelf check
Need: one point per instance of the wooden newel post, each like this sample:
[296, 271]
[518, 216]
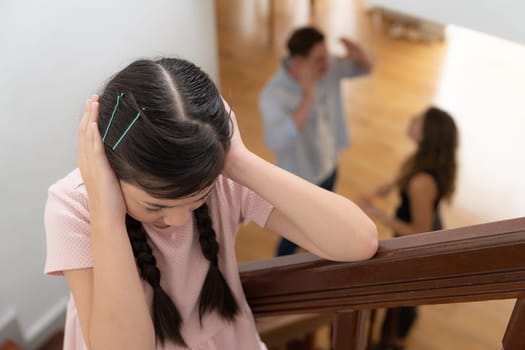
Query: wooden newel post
[350, 330]
[513, 338]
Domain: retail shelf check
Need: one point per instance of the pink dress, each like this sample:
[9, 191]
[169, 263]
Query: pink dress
[179, 258]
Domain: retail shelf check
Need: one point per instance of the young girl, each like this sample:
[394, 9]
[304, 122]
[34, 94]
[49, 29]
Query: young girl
[425, 178]
[144, 230]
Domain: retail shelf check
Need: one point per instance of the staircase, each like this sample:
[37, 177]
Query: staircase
[474, 263]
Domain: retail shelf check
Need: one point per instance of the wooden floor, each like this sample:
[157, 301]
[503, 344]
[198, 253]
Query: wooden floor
[407, 77]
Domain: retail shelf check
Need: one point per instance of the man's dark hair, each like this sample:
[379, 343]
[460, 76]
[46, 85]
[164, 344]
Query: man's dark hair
[303, 39]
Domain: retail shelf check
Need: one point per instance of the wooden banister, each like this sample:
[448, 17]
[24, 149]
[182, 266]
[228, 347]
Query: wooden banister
[475, 263]
[350, 330]
[514, 338]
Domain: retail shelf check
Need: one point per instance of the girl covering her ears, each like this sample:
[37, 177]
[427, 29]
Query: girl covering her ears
[425, 178]
[144, 229]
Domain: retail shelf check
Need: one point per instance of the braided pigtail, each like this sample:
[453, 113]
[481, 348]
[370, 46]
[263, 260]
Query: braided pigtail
[215, 294]
[166, 318]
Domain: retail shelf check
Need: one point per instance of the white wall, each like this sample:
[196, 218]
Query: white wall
[54, 54]
[503, 18]
[481, 85]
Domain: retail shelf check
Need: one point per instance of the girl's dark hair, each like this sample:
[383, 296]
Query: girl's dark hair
[302, 40]
[176, 148]
[436, 152]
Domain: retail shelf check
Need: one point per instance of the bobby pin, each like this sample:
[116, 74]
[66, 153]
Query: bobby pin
[126, 131]
[119, 97]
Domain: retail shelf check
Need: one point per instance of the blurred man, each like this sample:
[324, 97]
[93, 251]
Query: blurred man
[303, 115]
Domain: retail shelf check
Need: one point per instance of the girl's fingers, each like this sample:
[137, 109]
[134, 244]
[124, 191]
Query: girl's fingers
[85, 116]
[82, 130]
[98, 145]
[97, 140]
[93, 112]
[88, 106]
[91, 147]
[89, 140]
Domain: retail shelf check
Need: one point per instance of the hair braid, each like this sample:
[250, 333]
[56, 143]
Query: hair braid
[215, 294]
[166, 318]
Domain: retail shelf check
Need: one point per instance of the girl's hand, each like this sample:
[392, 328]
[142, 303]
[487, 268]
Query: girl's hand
[237, 148]
[103, 188]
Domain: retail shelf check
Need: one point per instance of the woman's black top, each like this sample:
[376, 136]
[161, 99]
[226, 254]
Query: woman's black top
[403, 210]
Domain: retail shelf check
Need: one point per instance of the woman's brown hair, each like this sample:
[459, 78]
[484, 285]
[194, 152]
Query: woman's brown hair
[436, 152]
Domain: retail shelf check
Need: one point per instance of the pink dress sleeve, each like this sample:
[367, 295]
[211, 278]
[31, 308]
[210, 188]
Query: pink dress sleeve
[67, 226]
[254, 208]
[250, 206]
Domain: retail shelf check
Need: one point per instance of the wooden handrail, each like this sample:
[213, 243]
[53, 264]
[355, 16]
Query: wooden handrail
[475, 263]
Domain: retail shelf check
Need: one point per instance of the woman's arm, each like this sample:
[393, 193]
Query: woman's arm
[384, 190]
[327, 224]
[422, 191]
[109, 297]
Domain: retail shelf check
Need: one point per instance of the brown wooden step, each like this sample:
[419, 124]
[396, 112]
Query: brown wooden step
[279, 331]
[9, 345]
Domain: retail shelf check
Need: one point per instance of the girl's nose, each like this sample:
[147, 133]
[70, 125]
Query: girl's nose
[177, 216]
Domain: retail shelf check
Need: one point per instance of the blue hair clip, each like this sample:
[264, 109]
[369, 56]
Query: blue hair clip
[119, 98]
[126, 131]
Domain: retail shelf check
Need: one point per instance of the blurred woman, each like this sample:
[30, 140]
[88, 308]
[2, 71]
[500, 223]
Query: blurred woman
[425, 178]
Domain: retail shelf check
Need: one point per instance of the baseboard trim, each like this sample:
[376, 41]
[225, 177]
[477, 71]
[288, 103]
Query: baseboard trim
[47, 326]
[10, 329]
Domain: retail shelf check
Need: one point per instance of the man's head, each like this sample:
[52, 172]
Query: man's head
[306, 46]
